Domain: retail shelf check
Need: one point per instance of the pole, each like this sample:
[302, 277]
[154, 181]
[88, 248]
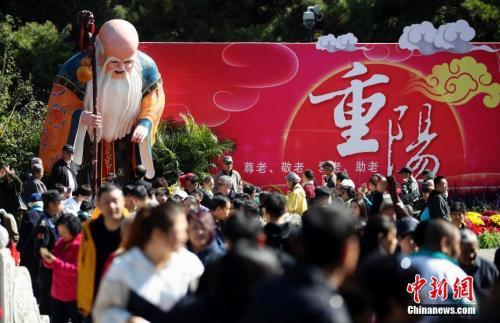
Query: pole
[86, 43]
[95, 156]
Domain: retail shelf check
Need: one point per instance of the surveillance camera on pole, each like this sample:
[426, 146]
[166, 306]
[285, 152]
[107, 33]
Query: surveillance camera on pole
[309, 18]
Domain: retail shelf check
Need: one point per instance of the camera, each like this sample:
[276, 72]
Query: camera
[42, 235]
[311, 15]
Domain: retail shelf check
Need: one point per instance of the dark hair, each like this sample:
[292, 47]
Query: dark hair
[350, 191]
[140, 171]
[205, 218]
[362, 208]
[127, 190]
[309, 174]
[262, 197]
[342, 176]
[71, 222]
[146, 220]
[242, 196]
[36, 169]
[249, 189]
[326, 228]
[218, 201]
[241, 227]
[418, 234]
[237, 203]
[107, 188]
[426, 188]
[162, 191]
[207, 179]
[84, 190]
[86, 206]
[275, 205]
[60, 188]
[375, 228]
[112, 178]
[151, 192]
[160, 182]
[198, 193]
[172, 201]
[321, 192]
[437, 180]
[375, 178]
[193, 179]
[458, 207]
[140, 192]
[251, 209]
[191, 200]
[50, 196]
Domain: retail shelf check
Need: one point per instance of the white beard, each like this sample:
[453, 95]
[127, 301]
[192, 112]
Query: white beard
[118, 101]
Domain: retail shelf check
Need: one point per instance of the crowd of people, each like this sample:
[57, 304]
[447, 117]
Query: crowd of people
[218, 249]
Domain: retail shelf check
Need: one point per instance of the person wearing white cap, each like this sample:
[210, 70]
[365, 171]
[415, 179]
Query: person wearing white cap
[296, 200]
[227, 169]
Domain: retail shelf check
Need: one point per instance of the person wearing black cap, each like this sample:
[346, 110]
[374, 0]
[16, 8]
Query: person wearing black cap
[227, 169]
[427, 174]
[409, 186]
[140, 173]
[45, 237]
[64, 170]
[405, 228]
[329, 179]
[438, 199]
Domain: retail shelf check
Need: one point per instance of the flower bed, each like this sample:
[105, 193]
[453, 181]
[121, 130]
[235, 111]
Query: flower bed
[487, 226]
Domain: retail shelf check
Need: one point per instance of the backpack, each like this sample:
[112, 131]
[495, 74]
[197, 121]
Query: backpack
[425, 215]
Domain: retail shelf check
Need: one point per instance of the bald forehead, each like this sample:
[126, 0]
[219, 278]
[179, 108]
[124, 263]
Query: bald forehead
[119, 39]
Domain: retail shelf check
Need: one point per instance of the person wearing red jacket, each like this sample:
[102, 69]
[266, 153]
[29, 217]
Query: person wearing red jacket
[63, 260]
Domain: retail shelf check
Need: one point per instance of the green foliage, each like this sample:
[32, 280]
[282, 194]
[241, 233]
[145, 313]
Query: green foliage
[186, 147]
[265, 20]
[21, 115]
[40, 50]
[489, 240]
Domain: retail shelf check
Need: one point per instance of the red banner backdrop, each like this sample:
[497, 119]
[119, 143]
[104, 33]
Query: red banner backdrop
[288, 107]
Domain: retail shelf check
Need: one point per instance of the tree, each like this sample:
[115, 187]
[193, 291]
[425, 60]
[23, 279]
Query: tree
[21, 115]
[186, 147]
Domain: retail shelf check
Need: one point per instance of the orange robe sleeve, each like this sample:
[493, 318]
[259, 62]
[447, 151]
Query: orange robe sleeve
[152, 109]
[63, 103]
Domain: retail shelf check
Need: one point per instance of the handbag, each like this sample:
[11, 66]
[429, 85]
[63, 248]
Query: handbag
[21, 206]
[14, 252]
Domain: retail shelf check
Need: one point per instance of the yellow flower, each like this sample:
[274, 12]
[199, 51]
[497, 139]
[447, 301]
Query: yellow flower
[495, 219]
[473, 215]
[474, 218]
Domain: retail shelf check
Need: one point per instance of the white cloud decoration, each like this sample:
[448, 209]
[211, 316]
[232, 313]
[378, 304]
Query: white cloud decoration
[454, 37]
[332, 44]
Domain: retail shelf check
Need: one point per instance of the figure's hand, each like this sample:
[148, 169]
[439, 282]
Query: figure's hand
[91, 120]
[140, 133]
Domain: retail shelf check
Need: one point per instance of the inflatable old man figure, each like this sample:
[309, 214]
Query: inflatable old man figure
[130, 102]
